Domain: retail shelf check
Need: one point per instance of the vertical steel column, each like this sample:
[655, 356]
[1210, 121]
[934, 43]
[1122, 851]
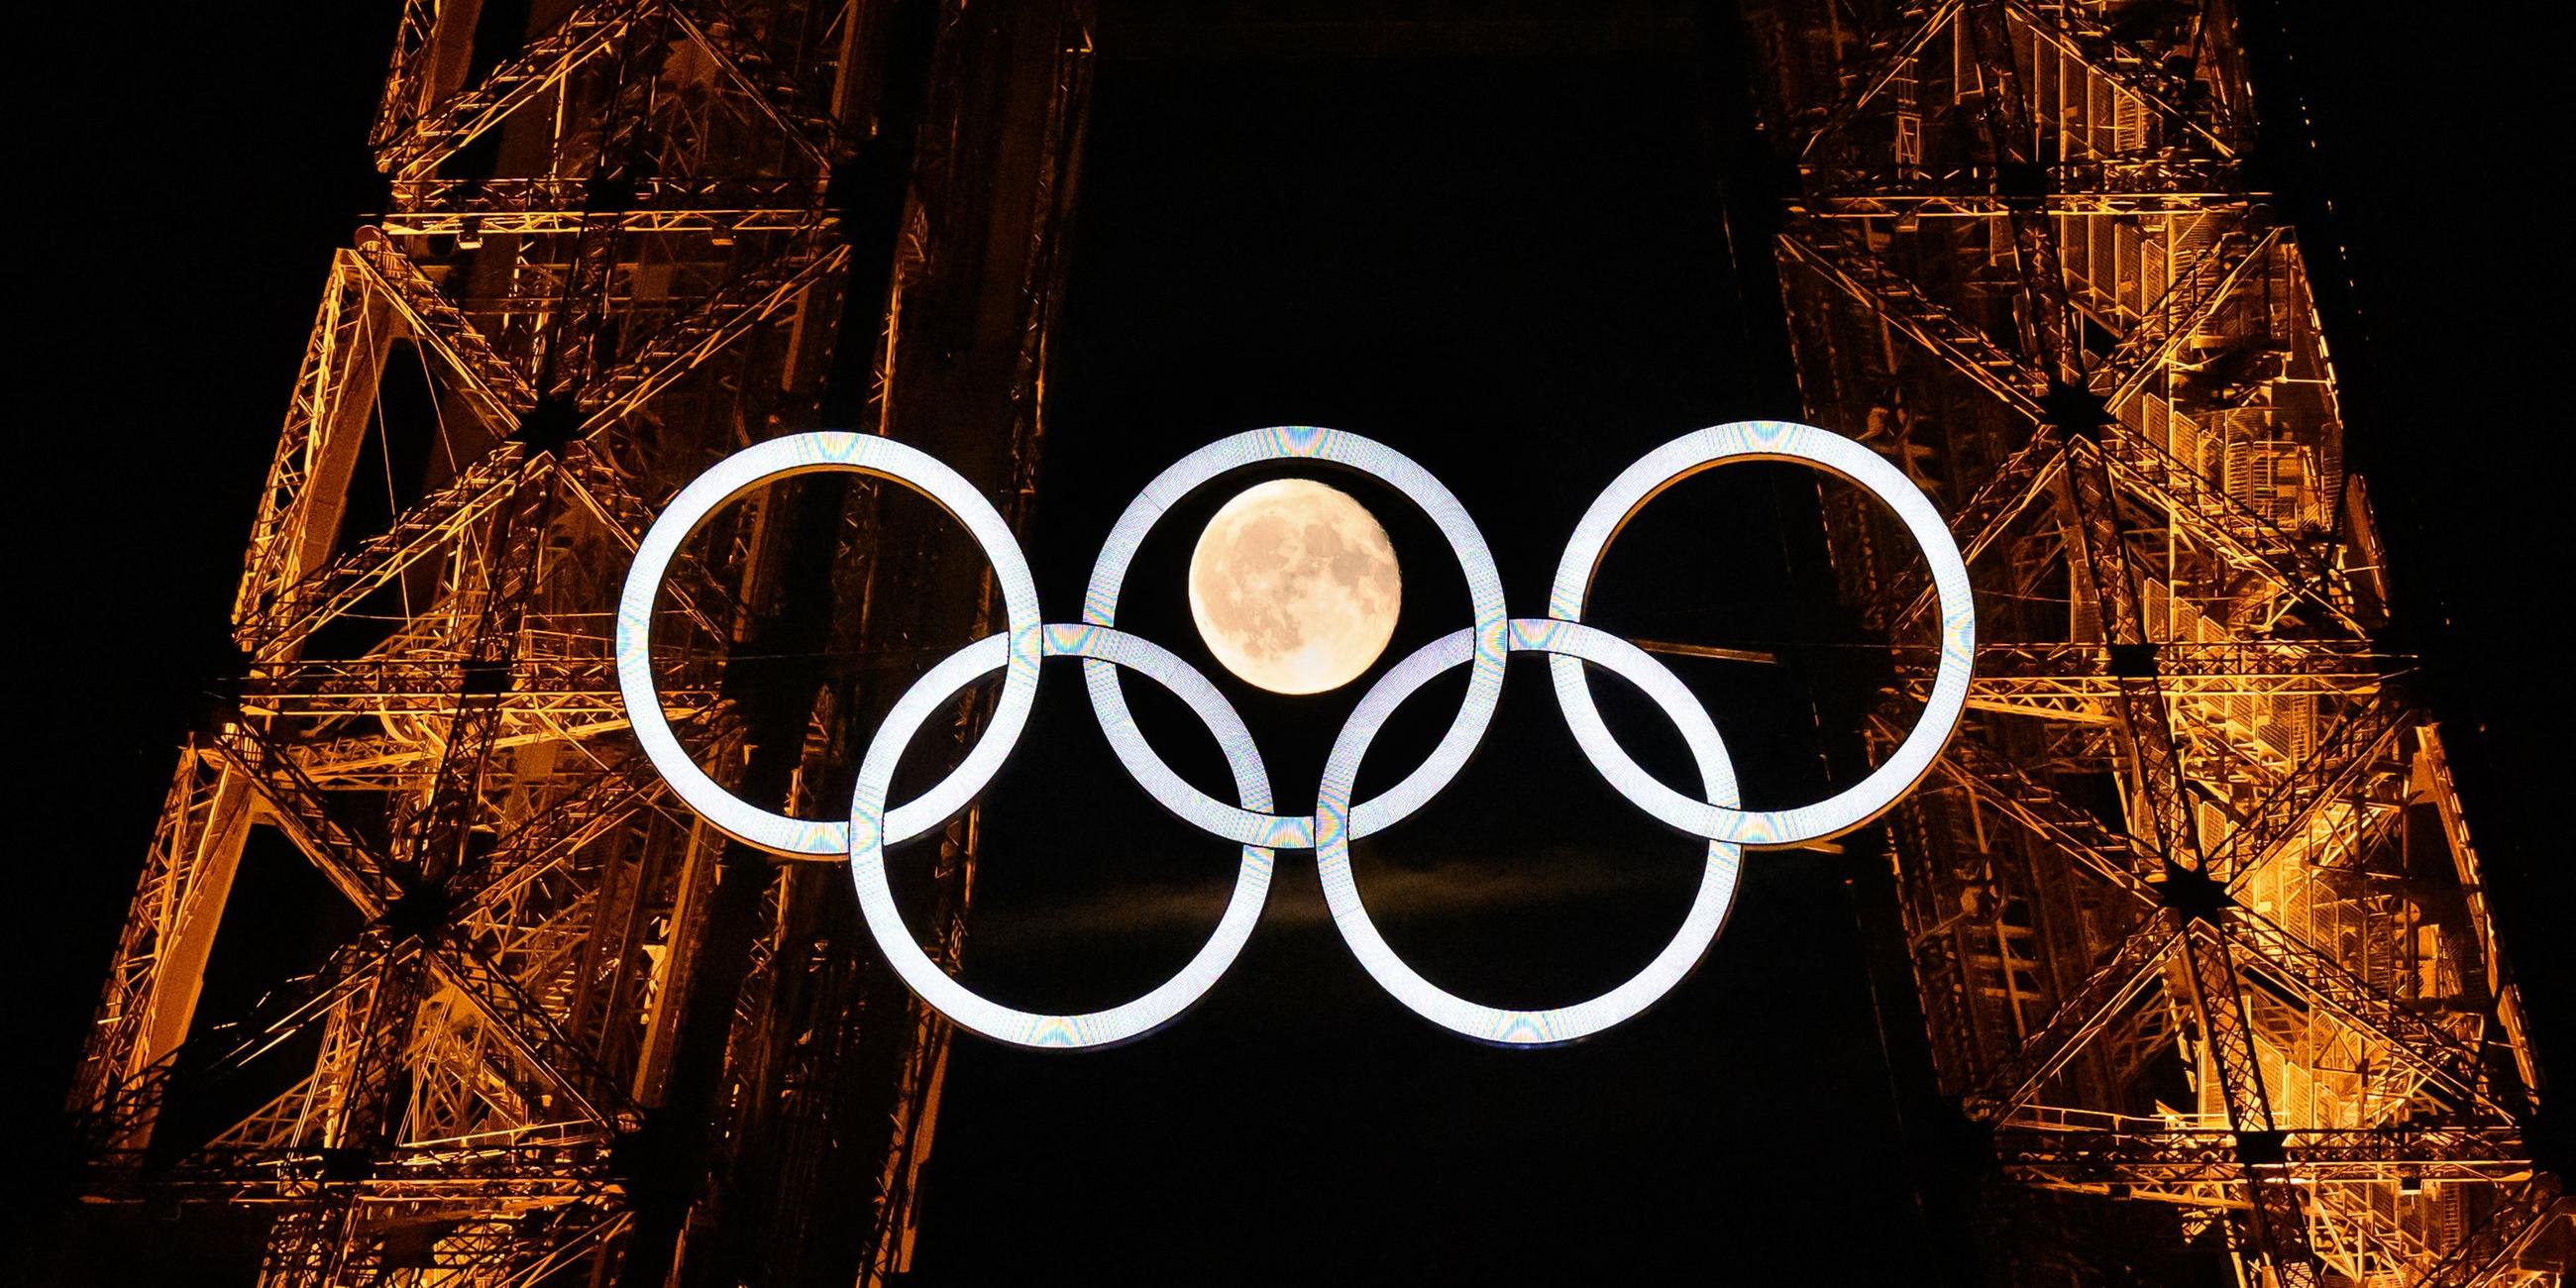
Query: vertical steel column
[620, 239]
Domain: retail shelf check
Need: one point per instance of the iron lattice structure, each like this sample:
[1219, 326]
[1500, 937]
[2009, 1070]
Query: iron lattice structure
[2191, 905]
[576, 1036]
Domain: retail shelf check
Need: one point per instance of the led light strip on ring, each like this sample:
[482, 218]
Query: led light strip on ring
[1250, 822]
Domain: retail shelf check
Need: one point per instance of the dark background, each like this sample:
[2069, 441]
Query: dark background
[1469, 260]
[1517, 272]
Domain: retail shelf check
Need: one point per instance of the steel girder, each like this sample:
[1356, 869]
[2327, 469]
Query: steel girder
[2174, 934]
[615, 257]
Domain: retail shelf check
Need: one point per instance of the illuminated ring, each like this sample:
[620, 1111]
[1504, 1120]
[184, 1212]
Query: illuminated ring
[787, 457]
[1573, 642]
[868, 840]
[1388, 466]
[1769, 440]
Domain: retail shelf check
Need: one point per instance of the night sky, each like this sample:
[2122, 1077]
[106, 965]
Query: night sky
[1263, 243]
[1481, 263]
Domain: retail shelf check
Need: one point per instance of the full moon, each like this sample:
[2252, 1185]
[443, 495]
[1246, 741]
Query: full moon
[1294, 586]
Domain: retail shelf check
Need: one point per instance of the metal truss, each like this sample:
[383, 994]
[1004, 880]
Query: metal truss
[574, 1035]
[2193, 908]
[2196, 922]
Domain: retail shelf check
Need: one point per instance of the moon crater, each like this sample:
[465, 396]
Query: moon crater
[1294, 586]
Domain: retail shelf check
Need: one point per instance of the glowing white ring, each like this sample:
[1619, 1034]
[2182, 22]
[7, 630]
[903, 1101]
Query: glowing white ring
[1575, 643]
[1760, 440]
[868, 840]
[1381, 462]
[787, 457]
[1337, 822]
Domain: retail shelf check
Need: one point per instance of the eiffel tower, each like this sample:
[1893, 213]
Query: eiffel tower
[2205, 974]
[2191, 905]
[569, 1032]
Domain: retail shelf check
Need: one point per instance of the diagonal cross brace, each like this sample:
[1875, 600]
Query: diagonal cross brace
[2355, 743]
[2122, 975]
[2422, 1045]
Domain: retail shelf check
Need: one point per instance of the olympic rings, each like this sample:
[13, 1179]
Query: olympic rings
[1572, 641]
[781, 458]
[1483, 647]
[1370, 457]
[1770, 440]
[868, 838]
